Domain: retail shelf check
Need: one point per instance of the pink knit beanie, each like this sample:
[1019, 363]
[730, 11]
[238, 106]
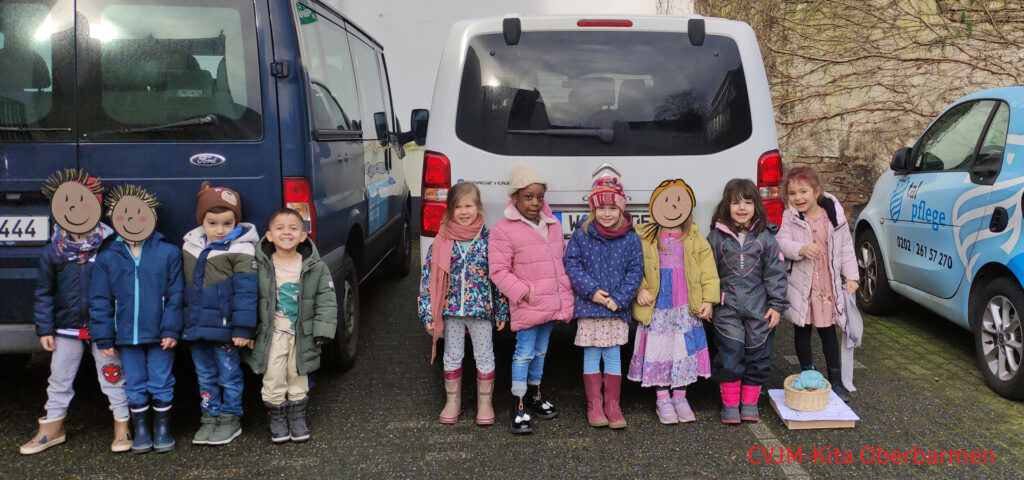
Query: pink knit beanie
[607, 191]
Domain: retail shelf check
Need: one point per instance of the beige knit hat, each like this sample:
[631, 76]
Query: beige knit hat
[521, 176]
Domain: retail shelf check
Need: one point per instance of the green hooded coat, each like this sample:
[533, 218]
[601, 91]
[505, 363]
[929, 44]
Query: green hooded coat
[318, 308]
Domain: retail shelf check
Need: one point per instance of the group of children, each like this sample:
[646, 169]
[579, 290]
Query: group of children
[742, 278]
[130, 295]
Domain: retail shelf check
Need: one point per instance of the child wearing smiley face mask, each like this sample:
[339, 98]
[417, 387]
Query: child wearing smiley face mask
[525, 261]
[679, 287]
[62, 307]
[753, 281]
[135, 311]
[605, 265]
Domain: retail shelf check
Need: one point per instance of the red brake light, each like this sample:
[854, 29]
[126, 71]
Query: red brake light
[604, 23]
[298, 196]
[437, 179]
[769, 179]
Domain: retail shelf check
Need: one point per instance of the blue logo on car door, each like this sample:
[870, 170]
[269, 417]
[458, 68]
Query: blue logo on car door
[896, 200]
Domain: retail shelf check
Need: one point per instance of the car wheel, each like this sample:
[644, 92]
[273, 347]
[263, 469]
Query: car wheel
[874, 295]
[998, 336]
[344, 347]
[400, 260]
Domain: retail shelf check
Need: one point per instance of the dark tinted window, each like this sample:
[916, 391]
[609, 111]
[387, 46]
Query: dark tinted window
[148, 65]
[603, 93]
[36, 71]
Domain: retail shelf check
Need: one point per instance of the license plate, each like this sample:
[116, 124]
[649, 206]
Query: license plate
[24, 229]
[572, 220]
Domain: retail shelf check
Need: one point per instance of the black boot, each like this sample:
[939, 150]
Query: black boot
[520, 422]
[835, 377]
[297, 420]
[542, 408]
[278, 422]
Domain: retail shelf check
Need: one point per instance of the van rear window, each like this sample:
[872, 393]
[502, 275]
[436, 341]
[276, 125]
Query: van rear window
[589, 93]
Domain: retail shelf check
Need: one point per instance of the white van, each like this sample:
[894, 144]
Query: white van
[644, 97]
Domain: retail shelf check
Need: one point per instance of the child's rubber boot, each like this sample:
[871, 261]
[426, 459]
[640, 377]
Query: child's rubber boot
[122, 436]
[683, 411]
[731, 402]
[229, 427]
[453, 396]
[520, 421]
[612, 389]
[278, 422]
[595, 403]
[163, 442]
[50, 433]
[207, 424]
[542, 408]
[748, 403]
[484, 393]
[297, 430]
[142, 415]
[835, 377]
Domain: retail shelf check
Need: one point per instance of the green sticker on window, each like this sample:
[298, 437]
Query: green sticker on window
[306, 16]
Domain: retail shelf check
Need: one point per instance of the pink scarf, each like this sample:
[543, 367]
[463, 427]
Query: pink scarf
[441, 269]
[615, 232]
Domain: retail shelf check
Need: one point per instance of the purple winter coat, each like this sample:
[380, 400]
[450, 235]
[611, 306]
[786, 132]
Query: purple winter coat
[794, 233]
[521, 261]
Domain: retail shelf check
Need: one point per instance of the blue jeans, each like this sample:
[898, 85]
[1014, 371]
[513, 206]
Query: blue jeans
[220, 377]
[528, 361]
[148, 372]
[612, 360]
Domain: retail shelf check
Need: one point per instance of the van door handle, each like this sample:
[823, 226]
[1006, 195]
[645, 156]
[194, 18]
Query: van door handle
[344, 158]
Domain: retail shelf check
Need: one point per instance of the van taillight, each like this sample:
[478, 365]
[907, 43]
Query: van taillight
[298, 196]
[769, 178]
[604, 23]
[437, 179]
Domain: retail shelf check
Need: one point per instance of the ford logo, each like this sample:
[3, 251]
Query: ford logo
[206, 160]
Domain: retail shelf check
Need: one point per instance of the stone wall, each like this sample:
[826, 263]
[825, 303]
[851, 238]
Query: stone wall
[853, 81]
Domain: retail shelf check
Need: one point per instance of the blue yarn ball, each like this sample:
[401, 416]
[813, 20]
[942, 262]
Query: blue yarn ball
[809, 380]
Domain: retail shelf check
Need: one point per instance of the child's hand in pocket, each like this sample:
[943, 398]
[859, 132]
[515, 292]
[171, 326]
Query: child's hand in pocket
[644, 297]
[773, 317]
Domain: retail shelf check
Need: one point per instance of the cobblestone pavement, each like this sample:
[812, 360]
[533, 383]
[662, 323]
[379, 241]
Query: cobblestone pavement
[918, 385]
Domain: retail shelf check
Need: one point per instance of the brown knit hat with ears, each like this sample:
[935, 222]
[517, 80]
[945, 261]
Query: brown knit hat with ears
[210, 196]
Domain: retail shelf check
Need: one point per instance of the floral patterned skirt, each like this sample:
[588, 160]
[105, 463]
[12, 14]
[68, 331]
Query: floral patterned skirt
[601, 332]
[670, 352]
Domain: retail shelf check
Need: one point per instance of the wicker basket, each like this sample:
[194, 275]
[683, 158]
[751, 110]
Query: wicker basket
[806, 401]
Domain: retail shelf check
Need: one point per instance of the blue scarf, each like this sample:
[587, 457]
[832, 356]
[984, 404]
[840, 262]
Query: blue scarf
[69, 250]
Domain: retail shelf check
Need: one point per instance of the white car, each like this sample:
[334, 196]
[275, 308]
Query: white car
[645, 97]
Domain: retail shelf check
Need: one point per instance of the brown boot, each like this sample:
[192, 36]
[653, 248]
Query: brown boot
[122, 436]
[453, 394]
[51, 432]
[484, 391]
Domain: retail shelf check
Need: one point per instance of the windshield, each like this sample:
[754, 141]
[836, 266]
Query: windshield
[162, 64]
[36, 71]
[635, 93]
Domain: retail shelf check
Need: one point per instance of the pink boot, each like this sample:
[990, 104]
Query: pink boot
[730, 402]
[453, 396]
[748, 407]
[595, 404]
[612, 389]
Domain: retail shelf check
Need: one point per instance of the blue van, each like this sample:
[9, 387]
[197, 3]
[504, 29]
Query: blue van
[943, 229]
[285, 101]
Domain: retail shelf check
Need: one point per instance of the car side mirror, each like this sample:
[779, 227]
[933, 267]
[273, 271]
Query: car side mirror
[419, 120]
[901, 161]
[380, 122]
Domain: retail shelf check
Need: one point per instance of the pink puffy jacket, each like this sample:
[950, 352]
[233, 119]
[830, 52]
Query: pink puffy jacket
[793, 235]
[521, 261]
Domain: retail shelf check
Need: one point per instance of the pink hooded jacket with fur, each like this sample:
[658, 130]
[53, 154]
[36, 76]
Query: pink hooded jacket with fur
[521, 261]
[793, 235]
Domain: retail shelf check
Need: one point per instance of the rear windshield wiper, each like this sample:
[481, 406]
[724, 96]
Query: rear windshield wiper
[605, 135]
[33, 129]
[203, 120]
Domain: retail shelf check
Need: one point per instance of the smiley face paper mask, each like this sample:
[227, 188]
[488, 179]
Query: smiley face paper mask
[132, 212]
[671, 205]
[74, 200]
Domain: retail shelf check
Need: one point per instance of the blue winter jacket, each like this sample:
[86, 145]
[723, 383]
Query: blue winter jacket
[594, 263]
[62, 292]
[135, 301]
[220, 285]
